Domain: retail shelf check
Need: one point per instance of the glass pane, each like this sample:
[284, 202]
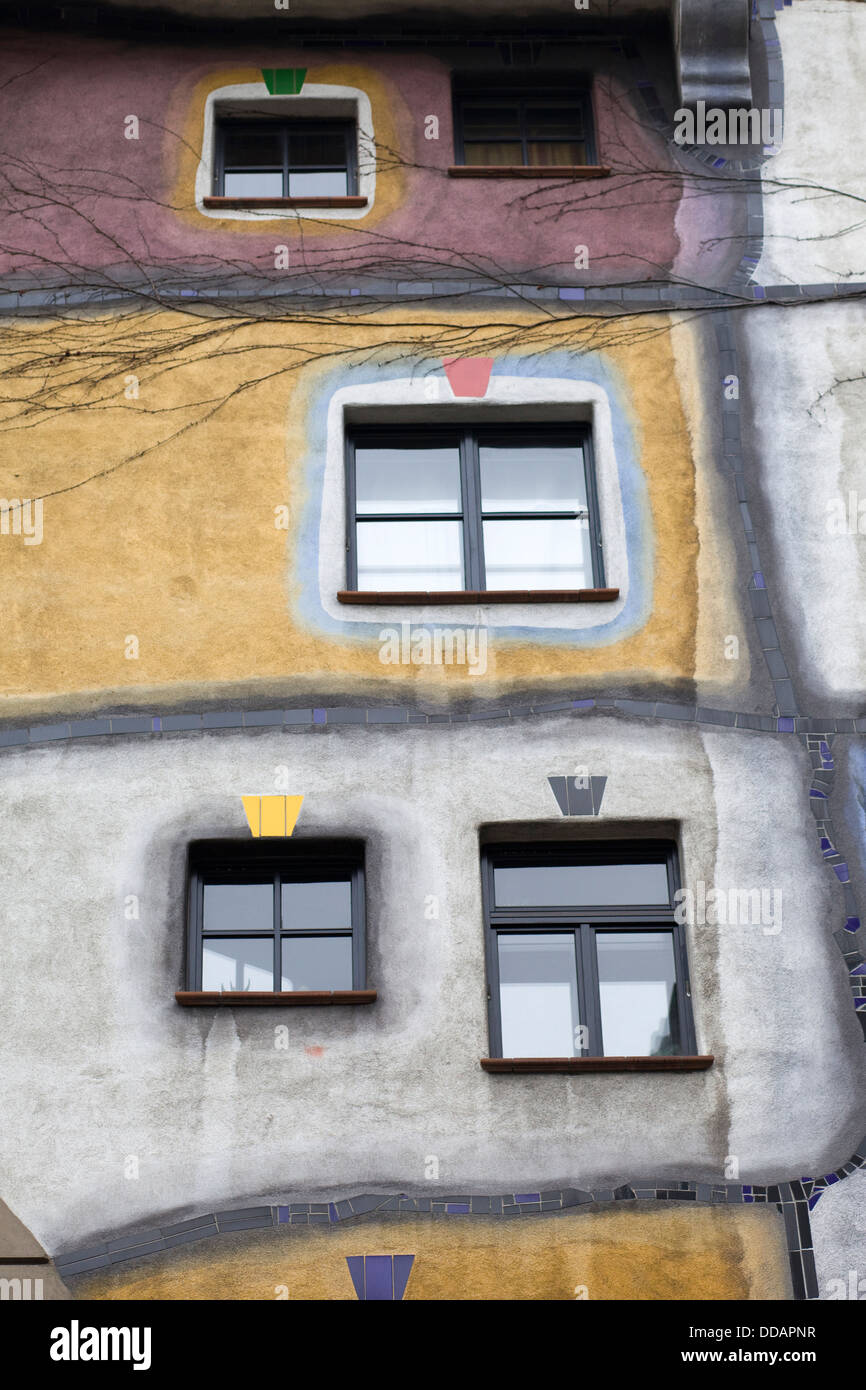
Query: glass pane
[492, 152]
[537, 555]
[538, 996]
[314, 151]
[491, 122]
[413, 555]
[554, 123]
[407, 480]
[532, 478]
[238, 963]
[325, 185]
[581, 885]
[253, 149]
[637, 980]
[556, 152]
[238, 907]
[317, 963]
[317, 906]
[261, 185]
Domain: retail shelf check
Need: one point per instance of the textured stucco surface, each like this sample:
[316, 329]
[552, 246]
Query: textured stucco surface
[145, 196]
[807, 452]
[592, 1255]
[839, 1233]
[813, 189]
[106, 1066]
[172, 527]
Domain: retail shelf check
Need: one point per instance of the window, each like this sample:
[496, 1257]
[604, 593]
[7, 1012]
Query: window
[479, 509]
[584, 955]
[285, 159]
[538, 121]
[289, 920]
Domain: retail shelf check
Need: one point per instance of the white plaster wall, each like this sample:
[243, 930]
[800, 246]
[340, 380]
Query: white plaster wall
[809, 415]
[100, 1063]
[839, 1233]
[815, 216]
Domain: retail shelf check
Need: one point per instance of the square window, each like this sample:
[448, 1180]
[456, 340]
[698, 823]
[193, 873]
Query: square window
[525, 119]
[292, 914]
[586, 957]
[289, 158]
[477, 508]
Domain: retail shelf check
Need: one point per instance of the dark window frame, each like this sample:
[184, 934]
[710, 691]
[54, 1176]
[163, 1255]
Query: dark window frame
[585, 921]
[240, 861]
[525, 90]
[308, 126]
[467, 439]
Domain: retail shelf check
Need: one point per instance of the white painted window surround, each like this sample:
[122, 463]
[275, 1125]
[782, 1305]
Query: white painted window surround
[430, 398]
[316, 100]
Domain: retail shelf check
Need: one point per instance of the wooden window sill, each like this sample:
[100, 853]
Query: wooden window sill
[251, 204]
[273, 999]
[528, 171]
[476, 596]
[589, 1064]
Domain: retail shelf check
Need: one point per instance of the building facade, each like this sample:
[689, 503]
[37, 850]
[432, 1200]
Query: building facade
[433, 745]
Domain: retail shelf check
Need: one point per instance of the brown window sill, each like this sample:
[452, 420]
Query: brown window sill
[404, 597]
[584, 1064]
[273, 998]
[354, 201]
[528, 171]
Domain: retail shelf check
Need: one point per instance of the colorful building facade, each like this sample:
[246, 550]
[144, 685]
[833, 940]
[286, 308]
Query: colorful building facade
[432, 744]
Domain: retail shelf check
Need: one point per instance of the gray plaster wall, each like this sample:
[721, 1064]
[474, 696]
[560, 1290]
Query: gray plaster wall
[108, 1068]
[802, 374]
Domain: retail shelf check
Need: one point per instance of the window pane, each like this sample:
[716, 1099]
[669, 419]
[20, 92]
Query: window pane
[492, 152]
[238, 963]
[317, 906]
[538, 995]
[261, 185]
[537, 555]
[325, 185]
[532, 478]
[252, 149]
[556, 152]
[637, 980]
[491, 122]
[554, 123]
[581, 885]
[307, 150]
[412, 555]
[317, 963]
[407, 480]
[238, 907]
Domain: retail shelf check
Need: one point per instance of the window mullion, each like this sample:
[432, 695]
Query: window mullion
[278, 940]
[589, 968]
[475, 577]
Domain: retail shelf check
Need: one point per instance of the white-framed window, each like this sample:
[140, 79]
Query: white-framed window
[315, 145]
[509, 400]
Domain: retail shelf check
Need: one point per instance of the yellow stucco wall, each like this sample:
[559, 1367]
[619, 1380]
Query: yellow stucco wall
[159, 510]
[654, 1253]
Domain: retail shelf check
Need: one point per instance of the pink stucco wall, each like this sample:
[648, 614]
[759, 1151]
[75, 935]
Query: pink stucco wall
[115, 203]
